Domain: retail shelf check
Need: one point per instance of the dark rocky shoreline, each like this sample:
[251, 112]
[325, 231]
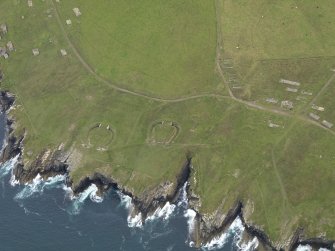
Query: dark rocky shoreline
[57, 164]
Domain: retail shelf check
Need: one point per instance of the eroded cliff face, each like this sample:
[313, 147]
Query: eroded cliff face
[52, 162]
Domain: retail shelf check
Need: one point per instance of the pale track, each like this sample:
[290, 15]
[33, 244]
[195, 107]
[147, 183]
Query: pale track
[182, 99]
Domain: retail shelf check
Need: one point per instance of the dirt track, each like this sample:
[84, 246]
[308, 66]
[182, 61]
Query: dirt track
[205, 95]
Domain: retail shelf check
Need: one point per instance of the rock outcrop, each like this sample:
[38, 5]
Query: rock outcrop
[52, 162]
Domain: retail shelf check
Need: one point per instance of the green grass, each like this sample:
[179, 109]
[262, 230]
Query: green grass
[163, 133]
[162, 48]
[169, 50]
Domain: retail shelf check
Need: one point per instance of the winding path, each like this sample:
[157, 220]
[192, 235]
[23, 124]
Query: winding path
[205, 95]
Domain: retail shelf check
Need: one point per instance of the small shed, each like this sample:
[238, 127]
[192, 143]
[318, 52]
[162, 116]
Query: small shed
[307, 93]
[271, 100]
[3, 52]
[318, 108]
[3, 28]
[10, 46]
[314, 116]
[63, 52]
[30, 3]
[289, 89]
[77, 12]
[273, 125]
[36, 52]
[327, 124]
[287, 104]
[68, 22]
[289, 82]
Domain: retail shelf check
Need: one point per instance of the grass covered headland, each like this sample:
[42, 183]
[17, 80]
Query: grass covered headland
[244, 87]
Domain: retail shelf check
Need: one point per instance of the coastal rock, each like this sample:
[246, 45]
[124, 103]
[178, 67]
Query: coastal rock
[52, 162]
[6, 100]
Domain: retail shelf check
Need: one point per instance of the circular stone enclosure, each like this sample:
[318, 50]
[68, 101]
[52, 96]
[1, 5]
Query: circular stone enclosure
[100, 136]
[163, 132]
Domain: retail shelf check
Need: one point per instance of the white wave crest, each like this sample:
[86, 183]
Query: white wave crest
[183, 199]
[134, 220]
[190, 215]
[8, 166]
[38, 185]
[323, 249]
[163, 213]
[78, 201]
[249, 246]
[126, 200]
[304, 248]
[236, 229]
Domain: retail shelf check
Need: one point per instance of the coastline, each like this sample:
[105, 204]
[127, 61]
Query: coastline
[205, 231]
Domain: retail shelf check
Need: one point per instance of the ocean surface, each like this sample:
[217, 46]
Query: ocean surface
[45, 216]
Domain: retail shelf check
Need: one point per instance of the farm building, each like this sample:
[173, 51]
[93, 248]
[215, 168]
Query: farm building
[68, 22]
[273, 125]
[318, 108]
[306, 93]
[30, 3]
[36, 52]
[314, 116]
[77, 12]
[287, 104]
[271, 100]
[3, 29]
[3, 52]
[10, 46]
[327, 124]
[289, 82]
[63, 52]
[289, 89]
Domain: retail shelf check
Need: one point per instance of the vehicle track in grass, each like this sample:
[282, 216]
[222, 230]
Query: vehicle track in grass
[231, 96]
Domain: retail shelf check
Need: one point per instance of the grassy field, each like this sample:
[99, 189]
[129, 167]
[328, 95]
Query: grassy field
[132, 64]
[161, 48]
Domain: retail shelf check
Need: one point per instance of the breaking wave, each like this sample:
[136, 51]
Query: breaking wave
[304, 248]
[162, 213]
[251, 245]
[134, 220]
[236, 230]
[78, 201]
[38, 185]
[183, 199]
[8, 166]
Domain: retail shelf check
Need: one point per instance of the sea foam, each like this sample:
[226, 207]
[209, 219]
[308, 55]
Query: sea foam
[134, 220]
[249, 246]
[162, 213]
[78, 201]
[8, 166]
[183, 199]
[38, 185]
[236, 230]
[304, 248]
[190, 215]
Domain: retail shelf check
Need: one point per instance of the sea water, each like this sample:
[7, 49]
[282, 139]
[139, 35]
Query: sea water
[44, 215]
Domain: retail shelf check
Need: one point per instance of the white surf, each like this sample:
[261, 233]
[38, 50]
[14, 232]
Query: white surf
[78, 201]
[38, 185]
[236, 230]
[8, 166]
[162, 213]
[304, 248]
